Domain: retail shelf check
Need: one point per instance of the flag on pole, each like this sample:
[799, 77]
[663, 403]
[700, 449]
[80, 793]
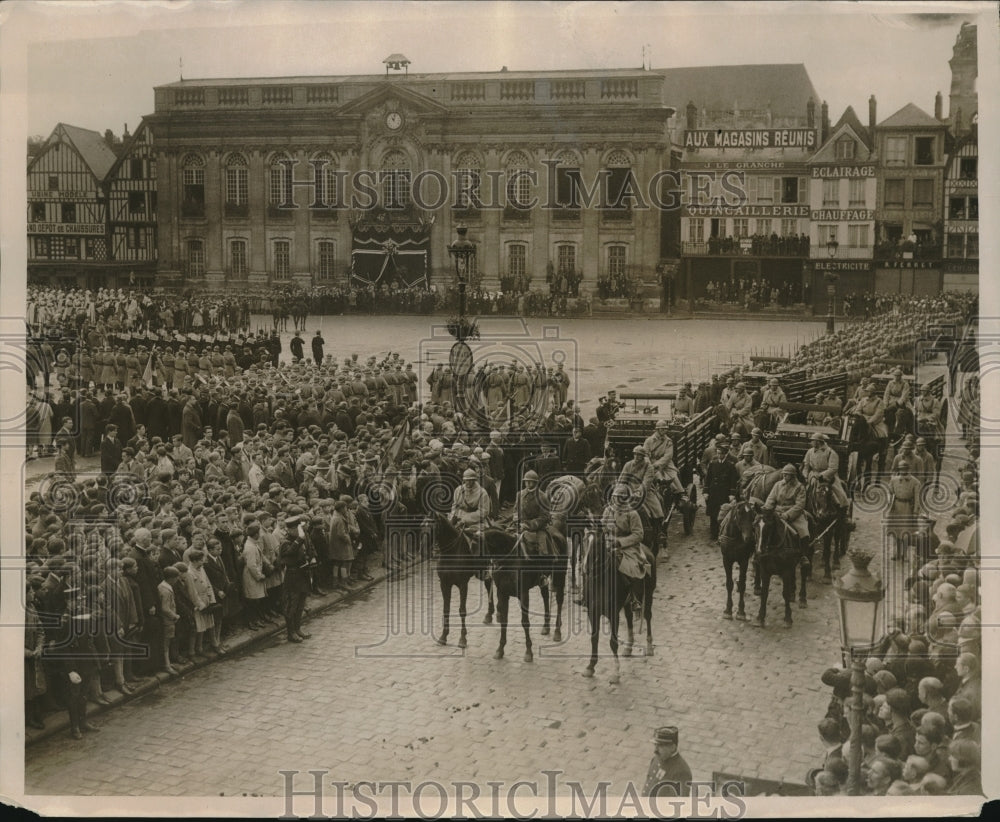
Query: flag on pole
[147, 375]
[396, 444]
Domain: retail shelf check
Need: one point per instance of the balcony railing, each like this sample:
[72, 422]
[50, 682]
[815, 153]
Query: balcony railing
[894, 251]
[749, 247]
[193, 210]
[844, 252]
[516, 215]
[237, 211]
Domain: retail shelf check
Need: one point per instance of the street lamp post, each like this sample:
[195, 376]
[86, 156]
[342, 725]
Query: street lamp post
[860, 597]
[462, 250]
[831, 287]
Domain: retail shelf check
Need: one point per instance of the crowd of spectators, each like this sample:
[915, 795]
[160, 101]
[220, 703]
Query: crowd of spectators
[752, 294]
[175, 535]
[922, 694]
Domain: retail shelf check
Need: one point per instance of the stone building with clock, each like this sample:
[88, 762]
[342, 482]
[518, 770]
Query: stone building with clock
[325, 180]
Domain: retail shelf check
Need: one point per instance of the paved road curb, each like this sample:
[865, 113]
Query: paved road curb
[237, 643]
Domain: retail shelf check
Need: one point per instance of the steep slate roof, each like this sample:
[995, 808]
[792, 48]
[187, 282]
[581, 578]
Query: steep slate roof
[91, 147]
[850, 125]
[849, 118]
[786, 87]
[910, 116]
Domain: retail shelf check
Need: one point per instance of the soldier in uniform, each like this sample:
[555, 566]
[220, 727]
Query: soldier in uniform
[905, 490]
[771, 399]
[748, 467]
[728, 392]
[928, 413]
[660, 450]
[759, 449]
[820, 464]
[897, 394]
[470, 506]
[684, 404]
[668, 774]
[640, 477]
[788, 500]
[741, 408]
[873, 410]
[531, 513]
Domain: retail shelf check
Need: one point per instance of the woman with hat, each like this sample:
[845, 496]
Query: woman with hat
[341, 544]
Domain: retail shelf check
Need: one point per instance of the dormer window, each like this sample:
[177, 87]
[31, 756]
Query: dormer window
[846, 148]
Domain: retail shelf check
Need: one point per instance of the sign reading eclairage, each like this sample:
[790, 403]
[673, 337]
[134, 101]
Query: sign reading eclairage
[843, 171]
[834, 214]
[751, 138]
[746, 211]
[66, 228]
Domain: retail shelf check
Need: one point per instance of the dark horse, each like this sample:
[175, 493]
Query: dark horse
[776, 555]
[607, 592]
[511, 573]
[575, 500]
[825, 523]
[458, 562]
[736, 539]
[868, 446]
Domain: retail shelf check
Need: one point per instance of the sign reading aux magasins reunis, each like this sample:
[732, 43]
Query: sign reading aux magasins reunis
[804, 138]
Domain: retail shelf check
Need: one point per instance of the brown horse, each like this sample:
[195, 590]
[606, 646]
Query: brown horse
[458, 562]
[777, 554]
[736, 539]
[606, 592]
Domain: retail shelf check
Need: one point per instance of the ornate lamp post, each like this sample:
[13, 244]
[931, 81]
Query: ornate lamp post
[860, 596]
[831, 287]
[463, 251]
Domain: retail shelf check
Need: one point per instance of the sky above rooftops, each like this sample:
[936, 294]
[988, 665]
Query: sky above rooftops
[95, 65]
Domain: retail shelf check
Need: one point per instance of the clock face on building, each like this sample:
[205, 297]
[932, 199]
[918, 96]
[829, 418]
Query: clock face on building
[394, 121]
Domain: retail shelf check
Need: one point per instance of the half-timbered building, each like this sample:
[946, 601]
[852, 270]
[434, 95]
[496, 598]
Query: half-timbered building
[67, 208]
[132, 202]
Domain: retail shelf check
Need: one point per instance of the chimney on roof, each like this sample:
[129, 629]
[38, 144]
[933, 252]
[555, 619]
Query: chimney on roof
[692, 116]
[871, 114]
[811, 113]
[824, 123]
[125, 134]
[938, 103]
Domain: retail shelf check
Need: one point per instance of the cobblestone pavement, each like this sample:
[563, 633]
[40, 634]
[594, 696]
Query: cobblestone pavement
[370, 704]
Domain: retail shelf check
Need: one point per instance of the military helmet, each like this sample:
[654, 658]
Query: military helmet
[530, 476]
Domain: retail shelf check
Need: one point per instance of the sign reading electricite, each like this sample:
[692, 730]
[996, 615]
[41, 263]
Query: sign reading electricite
[751, 138]
[66, 228]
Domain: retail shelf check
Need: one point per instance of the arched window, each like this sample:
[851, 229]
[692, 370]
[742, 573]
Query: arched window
[567, 186]
[395, 178]
[193, 182]
[237, 170]
[325, 166]
[467, 177]
[518, 183]
[280, 180]
[619, 182]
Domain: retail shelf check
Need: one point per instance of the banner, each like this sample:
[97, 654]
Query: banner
[400, 259]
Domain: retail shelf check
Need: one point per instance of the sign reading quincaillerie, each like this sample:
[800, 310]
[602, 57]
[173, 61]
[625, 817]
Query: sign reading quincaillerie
[751, 138]
[65, 228]
[790, 211]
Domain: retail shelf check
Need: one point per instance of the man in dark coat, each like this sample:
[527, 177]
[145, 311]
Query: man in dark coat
[298, 562]
[721, 482]
[317, 348]
[148, 576]
[111, 450]
[156, 417]
[121, 415]
[576, 452]
[296, 346]
[191, 427]
[88, 424]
